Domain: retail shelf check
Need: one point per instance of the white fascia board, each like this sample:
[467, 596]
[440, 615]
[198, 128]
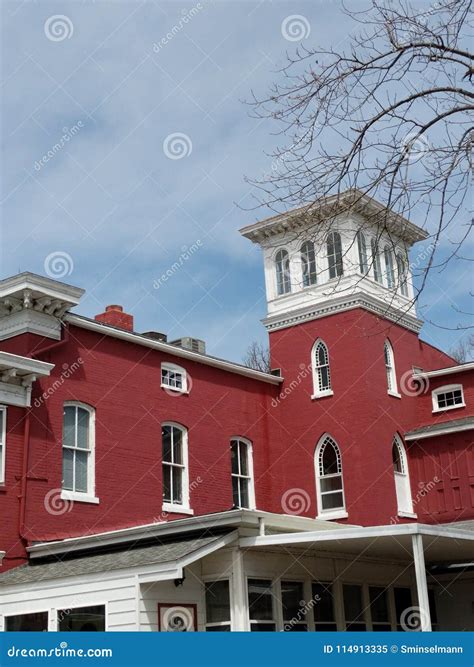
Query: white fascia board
[25, 364]
[435, 433]
[450, 370]
[40, 284]
[230, 518]
[355, 533]
[173, 350]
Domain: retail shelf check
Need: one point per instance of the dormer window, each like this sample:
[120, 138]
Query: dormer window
[334, 253]
[174, 378]
[448, 397]
[308, 264]
[282, 267]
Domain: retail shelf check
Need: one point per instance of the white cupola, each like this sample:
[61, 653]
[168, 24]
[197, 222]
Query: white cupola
[340, 253]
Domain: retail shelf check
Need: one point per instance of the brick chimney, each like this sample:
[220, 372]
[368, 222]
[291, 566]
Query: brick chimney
[115, 316]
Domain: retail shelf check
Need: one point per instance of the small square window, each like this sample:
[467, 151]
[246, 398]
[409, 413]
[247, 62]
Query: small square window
[447, 398]
[174, 378]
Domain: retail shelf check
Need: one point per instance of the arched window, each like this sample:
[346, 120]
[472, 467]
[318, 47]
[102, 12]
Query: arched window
[242, 473]
[334, 253]
[174, 442]
[389, 267]
[78, 447]
[308, 264]
[402, 275]
[402, 478]
[362, 247]
[329, 480]
[282, 265]
[321, 370]
[390, 368]
[376, 261]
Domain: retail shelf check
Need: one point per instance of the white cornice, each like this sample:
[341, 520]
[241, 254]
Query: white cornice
[17, 375]
[138, 339]
[340, 304]
[450, 370]
[345, 202]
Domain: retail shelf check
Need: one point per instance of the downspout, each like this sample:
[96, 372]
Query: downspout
[26, 441]
[24, 470]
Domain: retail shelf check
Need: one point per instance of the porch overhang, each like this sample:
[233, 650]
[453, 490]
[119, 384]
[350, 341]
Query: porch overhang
[441, 544]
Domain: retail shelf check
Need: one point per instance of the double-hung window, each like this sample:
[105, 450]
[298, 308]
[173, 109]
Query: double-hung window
[242, 473]
[217, 606]
[294, 606]
[261, 611]
[175, 467]
[334, 255]
[78, 451]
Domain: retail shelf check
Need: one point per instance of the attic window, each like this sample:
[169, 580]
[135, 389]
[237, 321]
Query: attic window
[174, 377]
[448, 397]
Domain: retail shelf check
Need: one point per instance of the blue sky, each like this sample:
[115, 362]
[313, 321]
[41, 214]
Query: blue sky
[111, 201]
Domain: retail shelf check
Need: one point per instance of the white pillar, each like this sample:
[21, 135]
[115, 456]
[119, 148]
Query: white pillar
[240, 614]
[421, 584]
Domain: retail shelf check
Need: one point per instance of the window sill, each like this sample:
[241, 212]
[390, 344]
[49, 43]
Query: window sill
[322, 394]
[174, 390]
[79, 497]
[451, 407]
[395, 394]
[328, 516]
[408, 515]
[176, 509]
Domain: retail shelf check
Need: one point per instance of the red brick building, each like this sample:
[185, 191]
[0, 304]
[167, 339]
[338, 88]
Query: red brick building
[145, 484]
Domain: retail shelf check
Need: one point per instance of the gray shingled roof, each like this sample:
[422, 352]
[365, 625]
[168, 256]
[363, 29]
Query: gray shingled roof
[443, 426]
[135, 556]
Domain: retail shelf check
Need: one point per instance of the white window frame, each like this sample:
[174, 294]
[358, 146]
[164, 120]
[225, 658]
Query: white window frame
[335, 258]
[443, 390]
[317, 391]
[402, 481]
[178, 370]
[184, 507]
[390, 372]
[389, 267]
[89, 495]
[362, 253]
[376, 264]
[3, 445]
[333, 513]
[250, 476]
[308, 261]
[283, 272]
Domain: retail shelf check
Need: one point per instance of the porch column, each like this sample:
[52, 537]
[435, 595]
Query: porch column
[239, 593]
[421, 584]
